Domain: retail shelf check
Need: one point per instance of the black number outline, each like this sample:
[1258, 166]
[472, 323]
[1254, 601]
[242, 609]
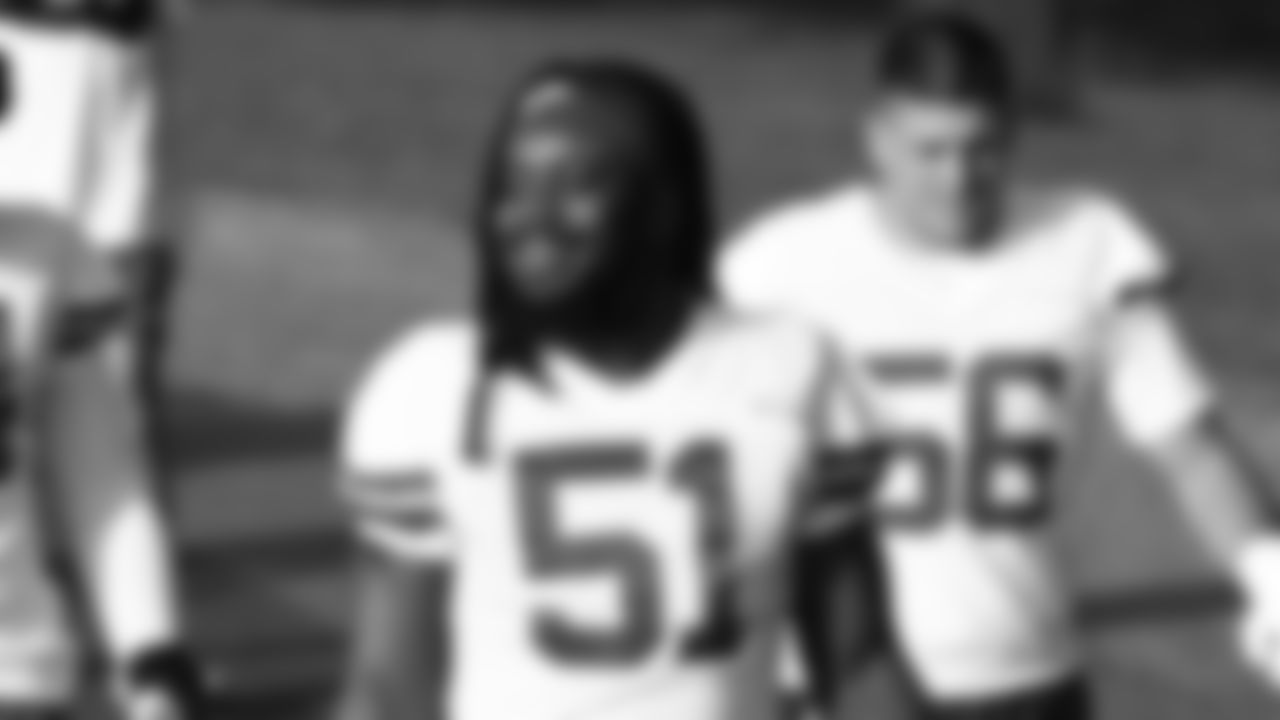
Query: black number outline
[543, 475]
[702, 470]
[988, 447]
[1038, 454]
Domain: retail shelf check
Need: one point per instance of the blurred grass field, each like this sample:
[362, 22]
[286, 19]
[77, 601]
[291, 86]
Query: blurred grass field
[325, 156]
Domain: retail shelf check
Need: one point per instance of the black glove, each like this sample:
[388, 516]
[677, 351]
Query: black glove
[173, 670]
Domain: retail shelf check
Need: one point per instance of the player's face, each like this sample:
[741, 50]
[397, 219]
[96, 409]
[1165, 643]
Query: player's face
[941, 163]
[556, 219]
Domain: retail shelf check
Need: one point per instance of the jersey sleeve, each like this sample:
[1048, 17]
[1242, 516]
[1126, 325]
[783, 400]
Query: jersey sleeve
[394, 453]
[1154, 386]
[1131, 263]
[751, 269]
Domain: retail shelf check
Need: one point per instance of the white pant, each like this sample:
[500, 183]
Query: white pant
[78, 139]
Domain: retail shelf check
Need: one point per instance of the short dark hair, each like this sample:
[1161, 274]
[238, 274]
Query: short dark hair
[675, 147]
[949, 55]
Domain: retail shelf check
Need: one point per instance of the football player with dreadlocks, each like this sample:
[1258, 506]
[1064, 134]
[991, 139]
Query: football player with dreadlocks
[581, 504]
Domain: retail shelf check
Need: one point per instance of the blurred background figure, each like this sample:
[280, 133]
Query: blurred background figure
[80, 141]
[79, 87]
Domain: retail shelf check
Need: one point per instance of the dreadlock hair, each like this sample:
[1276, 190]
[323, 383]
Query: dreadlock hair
[676, 152]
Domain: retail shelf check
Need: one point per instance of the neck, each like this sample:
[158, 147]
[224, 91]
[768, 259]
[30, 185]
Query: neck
[979, 230]
[632, 342]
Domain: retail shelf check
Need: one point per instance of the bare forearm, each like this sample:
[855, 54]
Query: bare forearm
[120, 544]
[130, 576]
[838, 602]
[399, 650]
[1221, 491]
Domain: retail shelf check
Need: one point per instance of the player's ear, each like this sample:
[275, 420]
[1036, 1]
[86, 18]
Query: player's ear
[877, 128]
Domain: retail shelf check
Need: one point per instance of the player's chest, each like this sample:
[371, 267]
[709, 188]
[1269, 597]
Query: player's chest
[659, 472]
[1033, 296]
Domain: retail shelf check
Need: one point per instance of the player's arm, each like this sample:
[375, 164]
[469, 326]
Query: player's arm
[1167, 410]
[836, 579]
[118, 542]
[396, 657]
[397, 653]
[838, 583]
[1163, 402]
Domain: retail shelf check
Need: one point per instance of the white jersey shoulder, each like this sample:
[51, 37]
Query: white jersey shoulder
[769, 249]
[802, 363]
[1090, 234]
[775, 258]
[412, 397]
[1130, 260]
[395, 448]
[766, 351]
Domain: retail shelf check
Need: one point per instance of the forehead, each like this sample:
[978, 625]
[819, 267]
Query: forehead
[928, 115]
[557, 121]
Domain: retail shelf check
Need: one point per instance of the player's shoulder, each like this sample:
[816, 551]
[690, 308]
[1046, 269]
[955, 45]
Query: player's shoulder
[1082, 214]
[764, 328]
[428, 359]
[804, 216]
[1107, 239]
[775, 254]
[761, 343]
[409, 398]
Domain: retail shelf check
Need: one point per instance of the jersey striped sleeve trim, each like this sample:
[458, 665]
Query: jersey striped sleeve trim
[398, 512]
[1155, 289]
[1132, 266]
[399, 440]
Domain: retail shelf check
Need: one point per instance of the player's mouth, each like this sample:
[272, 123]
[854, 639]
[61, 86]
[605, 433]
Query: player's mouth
[545, 262]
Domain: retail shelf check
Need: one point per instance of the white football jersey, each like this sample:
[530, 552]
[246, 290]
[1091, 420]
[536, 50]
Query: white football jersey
[78, 132]
[620, 552]
[980, 364]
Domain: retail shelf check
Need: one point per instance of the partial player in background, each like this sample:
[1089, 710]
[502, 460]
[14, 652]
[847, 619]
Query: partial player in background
[81, 86]
[582, 503]
[989, 315]
[71, 460]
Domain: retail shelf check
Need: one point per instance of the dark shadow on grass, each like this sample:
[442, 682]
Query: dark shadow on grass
[1157, 604]
[208, 428]
[269, 658]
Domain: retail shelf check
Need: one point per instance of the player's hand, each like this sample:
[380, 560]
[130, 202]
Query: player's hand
[1259, 575]
[152, 703]
[161, 684]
